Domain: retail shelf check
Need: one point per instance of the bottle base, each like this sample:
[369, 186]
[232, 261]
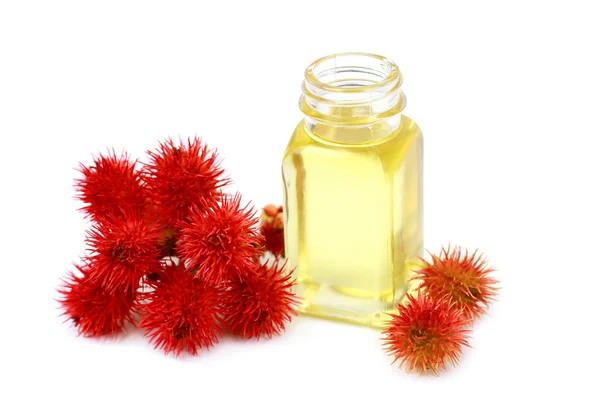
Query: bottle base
[347, 305]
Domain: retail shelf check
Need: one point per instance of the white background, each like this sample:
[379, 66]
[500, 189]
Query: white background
[508, 97]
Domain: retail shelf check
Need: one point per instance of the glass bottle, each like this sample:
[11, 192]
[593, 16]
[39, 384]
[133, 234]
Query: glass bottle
[353, 181]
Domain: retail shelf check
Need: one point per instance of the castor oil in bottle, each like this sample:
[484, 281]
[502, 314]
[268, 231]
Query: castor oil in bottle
[353, 183]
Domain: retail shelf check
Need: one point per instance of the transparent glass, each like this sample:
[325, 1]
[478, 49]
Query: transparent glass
[353, 179]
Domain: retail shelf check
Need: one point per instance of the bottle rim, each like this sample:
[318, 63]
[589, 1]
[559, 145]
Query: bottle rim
[388, 67]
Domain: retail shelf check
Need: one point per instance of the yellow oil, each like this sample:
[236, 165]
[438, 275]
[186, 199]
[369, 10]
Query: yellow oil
[353, 217]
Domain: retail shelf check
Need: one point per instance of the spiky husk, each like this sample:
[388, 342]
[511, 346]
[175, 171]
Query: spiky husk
[181, 175]
[220, 241]
[110, 187]
[463, 277]
[426, 335]
[274, 239]
[181, 313]
[260, 302]
[123, 251]
[93, 309]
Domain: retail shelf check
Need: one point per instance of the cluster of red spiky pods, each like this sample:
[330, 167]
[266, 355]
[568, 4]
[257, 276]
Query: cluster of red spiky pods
[431, 328]
[170, 253]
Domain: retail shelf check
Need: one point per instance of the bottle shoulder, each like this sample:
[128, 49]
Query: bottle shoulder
[303, 139]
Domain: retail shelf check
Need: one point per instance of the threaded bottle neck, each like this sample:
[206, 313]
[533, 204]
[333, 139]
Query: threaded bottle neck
[352, 89]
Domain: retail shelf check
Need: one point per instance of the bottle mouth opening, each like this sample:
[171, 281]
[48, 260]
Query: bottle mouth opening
[352, 73]
[352, 89]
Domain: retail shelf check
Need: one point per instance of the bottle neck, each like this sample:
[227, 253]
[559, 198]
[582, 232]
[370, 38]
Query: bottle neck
[352, 97]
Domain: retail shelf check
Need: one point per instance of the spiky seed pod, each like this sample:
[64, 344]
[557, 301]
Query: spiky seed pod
[462, 276]
[110, 187]
[260, 302]
[123, 251]
[181, 313]
[426, 335]
[271, 228]
[273, 237]
[220, 241]
[181, 175]
[94, 310]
